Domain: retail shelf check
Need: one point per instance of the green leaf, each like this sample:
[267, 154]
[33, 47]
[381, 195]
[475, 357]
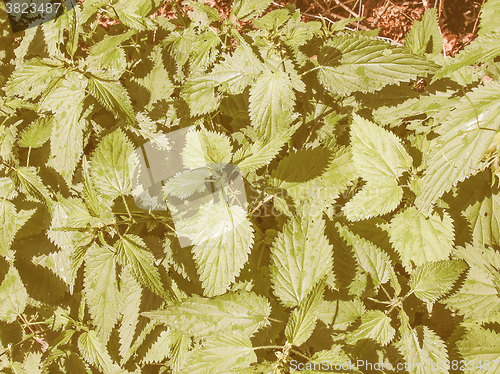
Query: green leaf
[425, 35]
[10, 222]
[29, 182]
[8, 135]
[421, 238]
[131, 293]
[200, 317]
[480, 349]
[333, 360]
[376, 198]
[377, 152]
[101, 289]
[421, 347]
[30, 79]
[13, 296]
[160, 349]
[482, 209]
[247, 9]
[465, 137]
[132, 14]
[340, 314]
[256, 155]
[199, 93]
[271, 102]
[221, 353]
[485, 47]
[132, 252]
[68, 215]
[66, 141]
[478, 298]
[204, 148]
[37, 133]
[113, 96]
[7, 188]
[489, 16]
[236, 71]
[157, 81]
[301, 256]
[431, 281]
[350, 63]
[222, 236]
[370, 258]
[108, 54]
[374, 325]
[96, 354]
[113, 164]
[303, 319]
[74, 31]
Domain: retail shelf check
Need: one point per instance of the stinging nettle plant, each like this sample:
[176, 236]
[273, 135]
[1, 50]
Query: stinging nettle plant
[380, 164]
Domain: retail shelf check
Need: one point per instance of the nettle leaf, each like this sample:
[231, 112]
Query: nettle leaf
[113, 96]
[8, 136]
[431, 281]
[199, 93]
[425, 35]
[370, 258]
[222, 236]
[96, 354]
[271, 102]
[484, 216]
[66, 140]
[421, 347]
[31, 78]
[478, 297]
[13, 296]
[465, 137]
[489, 16]
[377, 152]
[376, 198]
[421, 238]
[314, 174]
[301, 256]
[200, 317]
[480, 349]
[485, 47]
[350, 63]
[132, 252]
[113, 165]
[108, 54]
[160, 349]
[157, 81]
[237, 70]
[68, 215]
[221, 354]
[101, 289]
[7, 188]
[29, 182]
[303, 319]
[131, 294]
[37, 133]
[248, 9]
[256, 155]
[204, 148]
[374, 325]
[332, 359]
[341, 314]
[10, 222]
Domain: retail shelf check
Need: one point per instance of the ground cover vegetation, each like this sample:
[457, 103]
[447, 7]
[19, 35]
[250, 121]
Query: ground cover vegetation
[371, 171]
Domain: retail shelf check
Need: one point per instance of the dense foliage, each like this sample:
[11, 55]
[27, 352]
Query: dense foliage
[371, 173]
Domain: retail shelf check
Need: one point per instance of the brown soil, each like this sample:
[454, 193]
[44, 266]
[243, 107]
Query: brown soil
[458, 19]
